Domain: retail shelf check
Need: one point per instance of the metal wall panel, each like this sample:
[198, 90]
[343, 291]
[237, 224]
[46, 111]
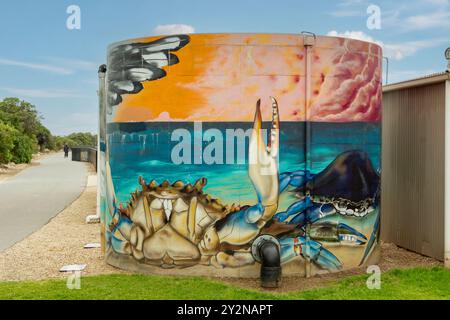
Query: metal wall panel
[413, 169]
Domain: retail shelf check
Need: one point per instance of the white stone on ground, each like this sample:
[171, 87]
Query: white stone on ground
[91, 219]
[73, 267]
[92, 181]
[92, 245]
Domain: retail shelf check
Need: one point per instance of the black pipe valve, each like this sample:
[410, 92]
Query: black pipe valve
[266, 250]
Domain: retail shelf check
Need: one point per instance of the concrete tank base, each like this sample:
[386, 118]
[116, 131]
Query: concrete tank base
[295, 267]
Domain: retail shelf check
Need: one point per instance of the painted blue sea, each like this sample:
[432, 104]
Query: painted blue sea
[145, 149]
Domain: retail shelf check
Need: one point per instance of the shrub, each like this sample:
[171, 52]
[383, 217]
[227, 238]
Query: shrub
[24, 147]
[6, 142]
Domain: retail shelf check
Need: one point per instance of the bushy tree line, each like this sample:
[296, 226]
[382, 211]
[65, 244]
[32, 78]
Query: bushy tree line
[79, 139]
[22, 133]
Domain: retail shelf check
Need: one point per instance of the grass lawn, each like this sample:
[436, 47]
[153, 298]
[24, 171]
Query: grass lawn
[419, 283]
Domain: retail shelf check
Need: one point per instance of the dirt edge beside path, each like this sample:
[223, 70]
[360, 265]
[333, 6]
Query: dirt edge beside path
[10, 170]
[58, 243]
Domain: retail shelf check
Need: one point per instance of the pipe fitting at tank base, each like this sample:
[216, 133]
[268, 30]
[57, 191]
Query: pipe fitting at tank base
[266, 250]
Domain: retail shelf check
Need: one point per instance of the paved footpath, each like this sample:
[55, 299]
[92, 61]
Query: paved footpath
[31, 198]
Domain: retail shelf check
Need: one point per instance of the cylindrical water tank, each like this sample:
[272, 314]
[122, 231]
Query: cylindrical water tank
[198, 171]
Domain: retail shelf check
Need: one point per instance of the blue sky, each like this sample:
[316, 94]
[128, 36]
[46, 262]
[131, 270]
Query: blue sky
[55, 68]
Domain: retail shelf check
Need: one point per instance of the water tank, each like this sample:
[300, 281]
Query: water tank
[213, 145]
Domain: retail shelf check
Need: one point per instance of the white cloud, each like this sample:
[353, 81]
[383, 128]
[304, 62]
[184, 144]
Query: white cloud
[56, 65]
[346, 3]
[428, 14]
[347, 13]
[437, 2]
[358, 35]
[76, 64]
[394, 51]
[438, 19]
[398, 51]
[40, 93]
[402, 75]
[350, 8]
[74, 122]
[35, 66]
[167, 29]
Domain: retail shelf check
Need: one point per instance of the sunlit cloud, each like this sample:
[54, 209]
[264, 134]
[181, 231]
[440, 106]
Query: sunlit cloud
[357, 35]
[168, 29]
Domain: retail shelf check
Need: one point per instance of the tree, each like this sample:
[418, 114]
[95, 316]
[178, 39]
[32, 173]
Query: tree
[22, 151]
[22, 133]
[21, 124]
[81, 139]
[20, 115]
[45, 139]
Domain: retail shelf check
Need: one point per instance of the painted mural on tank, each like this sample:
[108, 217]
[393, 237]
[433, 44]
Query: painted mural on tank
[214, 141]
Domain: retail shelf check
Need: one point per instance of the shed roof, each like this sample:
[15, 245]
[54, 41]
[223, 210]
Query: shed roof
[417, 82]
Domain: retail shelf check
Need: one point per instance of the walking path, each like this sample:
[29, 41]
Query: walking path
[31, 198]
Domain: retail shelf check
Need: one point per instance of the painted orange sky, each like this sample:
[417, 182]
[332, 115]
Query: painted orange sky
[220, 77]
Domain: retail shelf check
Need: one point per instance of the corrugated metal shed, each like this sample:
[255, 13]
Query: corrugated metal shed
[413, 164]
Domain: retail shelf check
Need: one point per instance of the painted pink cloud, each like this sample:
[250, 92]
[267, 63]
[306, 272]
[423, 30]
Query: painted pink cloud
[352, 89]
[345, 82]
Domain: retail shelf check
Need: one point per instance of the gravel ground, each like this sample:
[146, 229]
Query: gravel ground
[61, 241]
[58, 243]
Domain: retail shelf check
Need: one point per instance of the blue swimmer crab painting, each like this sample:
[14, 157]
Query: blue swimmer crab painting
[193, 183]
[173, 224]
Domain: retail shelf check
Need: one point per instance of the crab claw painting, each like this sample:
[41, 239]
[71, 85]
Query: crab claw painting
[212, 142]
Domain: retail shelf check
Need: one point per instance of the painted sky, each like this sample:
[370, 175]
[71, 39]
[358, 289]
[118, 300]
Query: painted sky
[219, 77]
[56, 69]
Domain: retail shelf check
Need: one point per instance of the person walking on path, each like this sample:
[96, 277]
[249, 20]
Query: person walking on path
[66, 151]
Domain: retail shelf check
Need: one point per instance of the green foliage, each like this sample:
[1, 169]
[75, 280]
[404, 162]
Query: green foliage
[21, 123]
[79, 139]
[45, 139]
[418, 283]
[22, 133]
[6, 142]
[21, 115]
[23, 148]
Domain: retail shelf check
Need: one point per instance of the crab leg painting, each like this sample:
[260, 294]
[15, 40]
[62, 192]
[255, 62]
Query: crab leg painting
[308, 183]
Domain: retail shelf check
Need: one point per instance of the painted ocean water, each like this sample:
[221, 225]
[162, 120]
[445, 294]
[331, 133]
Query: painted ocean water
[146, 149]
